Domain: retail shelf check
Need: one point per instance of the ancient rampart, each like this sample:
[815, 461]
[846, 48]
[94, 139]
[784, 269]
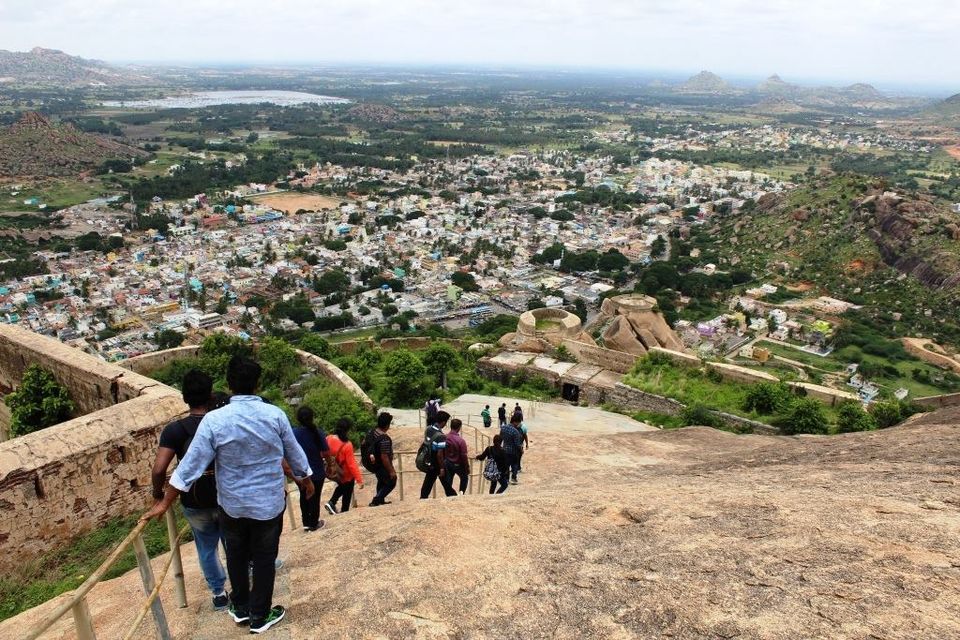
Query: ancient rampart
[70, 478]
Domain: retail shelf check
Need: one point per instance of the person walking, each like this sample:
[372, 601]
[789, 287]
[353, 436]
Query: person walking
[456, 459]
[313, 441]
[485, 414]
[502, 414]
[512, 442]
[200, 504]
[246, 441]
[430, 409]
[342, 451]
[381, 452]
[435, 443]
[524, 445]
[500, 472]
[518, 412]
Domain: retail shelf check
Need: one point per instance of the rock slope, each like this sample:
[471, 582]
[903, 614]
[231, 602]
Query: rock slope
[691, 534]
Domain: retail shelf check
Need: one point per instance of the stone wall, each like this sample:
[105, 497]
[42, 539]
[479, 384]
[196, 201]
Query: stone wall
[915, 347]
[826, 395]
[939, 402]
[627, 397]
[733, 373]
[618, 361]
[150, 362]
[70, 478]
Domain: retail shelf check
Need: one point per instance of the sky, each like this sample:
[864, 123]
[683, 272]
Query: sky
[885, 42]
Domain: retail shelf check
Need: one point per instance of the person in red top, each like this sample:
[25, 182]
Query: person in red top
[342, 451]
[456, 459]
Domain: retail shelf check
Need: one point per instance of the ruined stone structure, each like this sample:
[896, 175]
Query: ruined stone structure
[543, 330]
[631, 323]
[69, 479]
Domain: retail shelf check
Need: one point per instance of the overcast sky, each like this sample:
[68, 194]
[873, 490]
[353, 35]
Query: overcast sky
[886, 42]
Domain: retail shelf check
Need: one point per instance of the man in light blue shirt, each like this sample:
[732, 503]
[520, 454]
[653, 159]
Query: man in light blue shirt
[247, 441]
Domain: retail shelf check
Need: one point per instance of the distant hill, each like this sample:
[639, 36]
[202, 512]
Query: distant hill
[775, 85]
[49, 66]
[35, 147]
[945, 112]
[704, 82]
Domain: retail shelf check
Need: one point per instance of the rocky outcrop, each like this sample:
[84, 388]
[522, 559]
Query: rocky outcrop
[633, 325]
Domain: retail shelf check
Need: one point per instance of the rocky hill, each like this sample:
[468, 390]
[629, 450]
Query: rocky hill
[944, 112]
[692, 534]
[41, 66]
[36, 147]
[704, 82]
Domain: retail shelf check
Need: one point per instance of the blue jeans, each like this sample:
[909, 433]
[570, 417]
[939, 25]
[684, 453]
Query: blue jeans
[514, 465]
[205, 524]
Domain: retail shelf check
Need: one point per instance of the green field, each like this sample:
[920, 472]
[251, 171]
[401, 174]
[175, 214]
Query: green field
[56, 193]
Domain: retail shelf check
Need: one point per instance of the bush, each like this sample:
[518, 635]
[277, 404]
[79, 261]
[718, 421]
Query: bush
[851, 417]
[405, 383]
[805, 416]
[887, 413]
[700, 416]
[39, 402]
[330, 403]
[767, 398]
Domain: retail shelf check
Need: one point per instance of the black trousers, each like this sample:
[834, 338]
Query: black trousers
[455, 471]
[251, 541]
[344, 492]
[429, 479]
[385, 484]
[310, 507]
[504, 481]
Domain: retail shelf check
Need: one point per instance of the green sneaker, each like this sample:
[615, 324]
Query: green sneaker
[240, 615]
[275, 616]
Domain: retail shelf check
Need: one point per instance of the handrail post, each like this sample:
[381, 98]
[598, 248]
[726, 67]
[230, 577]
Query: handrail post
[400, 474]
[293, 518]
[179, 585]
[146, 576]
[82, 621]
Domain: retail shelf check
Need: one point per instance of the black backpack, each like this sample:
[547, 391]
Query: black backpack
[369, 456]
[426, 461]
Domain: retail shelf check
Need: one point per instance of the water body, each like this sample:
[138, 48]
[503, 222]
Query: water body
[200, 99]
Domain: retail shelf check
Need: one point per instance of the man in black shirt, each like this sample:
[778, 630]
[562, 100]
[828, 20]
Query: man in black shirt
[383, 460]
[200, 503]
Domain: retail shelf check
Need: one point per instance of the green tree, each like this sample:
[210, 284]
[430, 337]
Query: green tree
[39, 402]
[439, 358]
[279, 361]
[168, 339]
[886, 413]
[805, 416]
[465, 281]
[312, 343]
[767, 398]
[331, 402]
[612, 260]
[658, 247]
[851, 417]
[535, 303]
[404, 379]
[332, 281]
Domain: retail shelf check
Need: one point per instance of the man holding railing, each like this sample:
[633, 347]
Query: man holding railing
[247, 440]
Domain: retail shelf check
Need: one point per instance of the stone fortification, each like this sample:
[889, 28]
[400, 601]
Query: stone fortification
[70, 478]
[634, 325]
[543, 330]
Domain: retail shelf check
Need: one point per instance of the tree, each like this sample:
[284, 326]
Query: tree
[580, 309]
[168, 339]
[439, 358]
[535, 303]
[39, 402]
[222, 304]
[404, 379]
[886, 413]
[612, 260]
[331, 281]
[281, 366]
[657, 247]
[767, 398]
[465, 281]
[805, 416]
[312, 343]
[851, 417]
[331, 402]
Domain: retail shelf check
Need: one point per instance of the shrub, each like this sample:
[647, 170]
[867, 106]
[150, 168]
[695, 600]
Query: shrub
[699, 415]
[330, 403]
[851, 417]
[767, 398]
[39, 402]
[887, 413]
[805, 416]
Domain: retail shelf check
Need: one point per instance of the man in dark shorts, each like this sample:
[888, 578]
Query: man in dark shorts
[200, 503]
[383, 460]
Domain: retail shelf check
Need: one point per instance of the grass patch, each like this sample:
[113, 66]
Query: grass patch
[66, 568]
[545, 324]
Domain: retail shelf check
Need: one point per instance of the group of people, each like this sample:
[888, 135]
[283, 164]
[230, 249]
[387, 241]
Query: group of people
[444, 456]
[235, 452]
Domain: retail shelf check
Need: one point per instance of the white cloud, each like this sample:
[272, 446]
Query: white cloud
[873, 40]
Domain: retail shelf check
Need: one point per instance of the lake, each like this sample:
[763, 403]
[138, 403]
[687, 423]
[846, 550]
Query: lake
[200, 99]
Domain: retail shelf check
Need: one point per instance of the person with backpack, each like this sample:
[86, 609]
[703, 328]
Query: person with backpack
[512, 442]
[518, 412]
[247, 441]
[485, 414]
[200, 503]
[376, 453]
[349, 473]
[313, 441]
[430, 409]
[502, 414]
[497, 467]
[456, 459]
[524, 444]
[431, 458]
